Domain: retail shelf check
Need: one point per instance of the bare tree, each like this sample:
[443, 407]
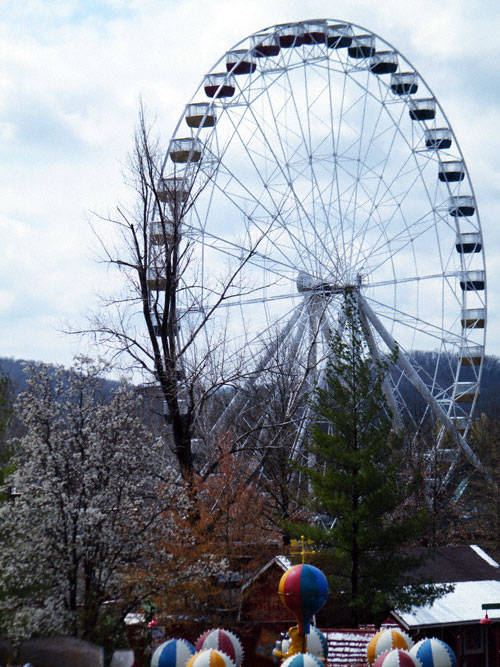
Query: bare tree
[163, 321]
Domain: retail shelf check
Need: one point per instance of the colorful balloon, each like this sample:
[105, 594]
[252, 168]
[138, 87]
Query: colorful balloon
[302, 660]
[303, 589]
[224, 641]
[434, 653]
[385, 640]
[396, 658]
[172, 653]
[210, 658]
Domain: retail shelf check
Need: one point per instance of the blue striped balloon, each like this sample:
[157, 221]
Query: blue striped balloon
[173, 653]
[316, 643]
[302, 660]
[434, 653]
[303, 589]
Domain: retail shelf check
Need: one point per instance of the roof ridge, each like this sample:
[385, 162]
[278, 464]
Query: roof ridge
[484, 555]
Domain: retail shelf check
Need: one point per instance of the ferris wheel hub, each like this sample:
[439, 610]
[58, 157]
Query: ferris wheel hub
[306, 283]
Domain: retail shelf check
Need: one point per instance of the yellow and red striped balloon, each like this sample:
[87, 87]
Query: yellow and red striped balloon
[210, 658]
[386, 640]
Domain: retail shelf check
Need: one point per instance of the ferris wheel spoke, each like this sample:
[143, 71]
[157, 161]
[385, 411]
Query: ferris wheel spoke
[413, 322]
[334, 193]
[400, 241]
[306, 216]
[313, 121]
[377, 199]
[397, 175]
[274, 217]
[382, 225]
[320, 209]
[415, 278]
[295, 239]
[290, 180]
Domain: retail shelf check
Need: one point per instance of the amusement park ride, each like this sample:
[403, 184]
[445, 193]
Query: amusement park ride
[303, 590]
[314, 160]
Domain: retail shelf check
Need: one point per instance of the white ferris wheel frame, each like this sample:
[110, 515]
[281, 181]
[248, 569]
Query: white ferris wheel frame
[254, 164]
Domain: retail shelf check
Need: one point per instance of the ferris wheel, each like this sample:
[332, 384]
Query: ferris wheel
[312, 160]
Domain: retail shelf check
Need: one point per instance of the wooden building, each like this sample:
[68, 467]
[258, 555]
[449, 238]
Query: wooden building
[458, 617]
[262, 618]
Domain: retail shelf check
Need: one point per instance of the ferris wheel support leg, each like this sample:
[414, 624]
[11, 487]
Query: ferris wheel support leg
[319, 327]
[316, 318]
[311, 318]
[404, 363]
[375, 352]
[240, 396]
[326, 327]
[295, 396]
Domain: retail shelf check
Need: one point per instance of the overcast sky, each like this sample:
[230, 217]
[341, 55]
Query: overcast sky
[73, 72]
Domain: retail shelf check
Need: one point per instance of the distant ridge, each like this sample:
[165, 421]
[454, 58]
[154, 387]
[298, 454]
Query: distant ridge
[14, 368]
[489, 401]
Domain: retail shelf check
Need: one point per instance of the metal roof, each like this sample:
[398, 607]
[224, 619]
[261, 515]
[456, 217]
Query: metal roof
[281, 561]
[347, 648]
[457, 608]
[449, 564]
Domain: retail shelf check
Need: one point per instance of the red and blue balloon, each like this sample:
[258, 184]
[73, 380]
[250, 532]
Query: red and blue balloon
[303, 589]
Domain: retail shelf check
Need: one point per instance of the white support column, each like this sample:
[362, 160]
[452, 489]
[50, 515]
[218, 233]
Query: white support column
[417, 382]
[240, 397]
[375, 352]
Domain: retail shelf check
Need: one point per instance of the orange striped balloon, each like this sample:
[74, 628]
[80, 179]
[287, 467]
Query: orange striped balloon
[210, 658]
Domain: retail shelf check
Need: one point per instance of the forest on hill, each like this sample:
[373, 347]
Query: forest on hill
[489, 401]
[14, 369]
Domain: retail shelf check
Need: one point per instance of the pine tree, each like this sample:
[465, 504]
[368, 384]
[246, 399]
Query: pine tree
[357, 486]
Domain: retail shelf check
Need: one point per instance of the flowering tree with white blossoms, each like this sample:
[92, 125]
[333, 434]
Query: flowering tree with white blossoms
[86, 472]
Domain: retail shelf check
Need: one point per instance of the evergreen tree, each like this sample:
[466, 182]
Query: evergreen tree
[358, 487]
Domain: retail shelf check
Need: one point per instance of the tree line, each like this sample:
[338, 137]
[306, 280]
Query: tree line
[96, 519]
